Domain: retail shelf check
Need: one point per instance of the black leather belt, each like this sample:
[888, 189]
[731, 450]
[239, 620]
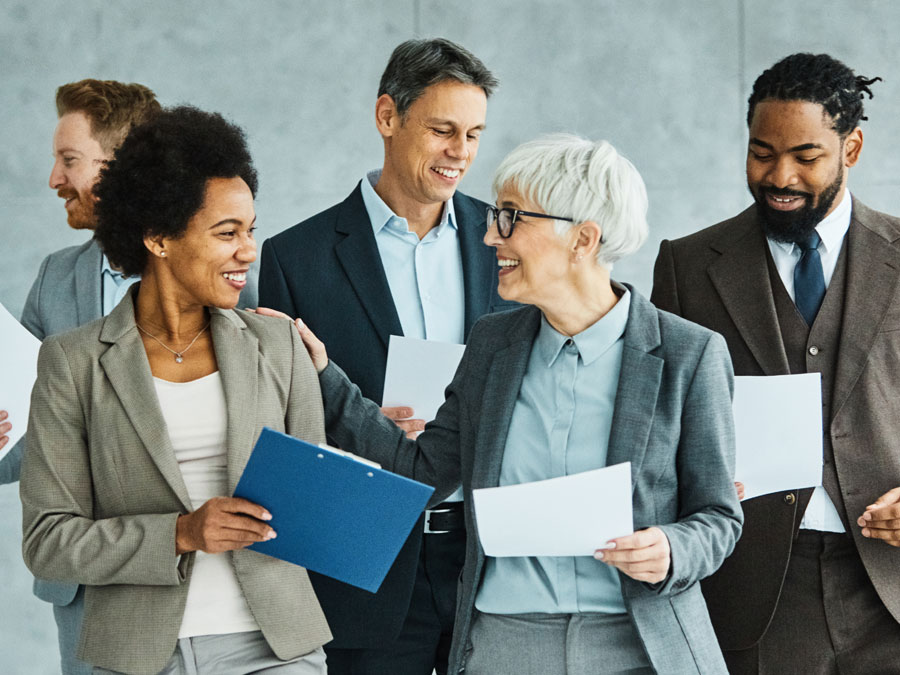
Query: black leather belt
[445, 517]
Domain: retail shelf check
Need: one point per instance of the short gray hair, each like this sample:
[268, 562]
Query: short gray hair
[417, 64]
[572, 177]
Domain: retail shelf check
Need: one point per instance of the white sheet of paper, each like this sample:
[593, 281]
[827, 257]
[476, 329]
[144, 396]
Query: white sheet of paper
[18, 363]
[778, 423]
[417, 373]
[568, 516]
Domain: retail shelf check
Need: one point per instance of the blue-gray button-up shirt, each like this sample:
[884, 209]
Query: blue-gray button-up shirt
[560, 426]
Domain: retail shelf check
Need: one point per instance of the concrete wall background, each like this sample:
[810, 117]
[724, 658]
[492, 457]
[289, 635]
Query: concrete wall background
[665, 82]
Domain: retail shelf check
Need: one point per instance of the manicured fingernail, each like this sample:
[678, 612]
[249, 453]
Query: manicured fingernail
[271, 534]
[865, 532]
[266, 515]
[598, 555]
[860, 521]
[300, 323]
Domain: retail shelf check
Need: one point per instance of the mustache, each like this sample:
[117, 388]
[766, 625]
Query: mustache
[66, 194]
[784, 192]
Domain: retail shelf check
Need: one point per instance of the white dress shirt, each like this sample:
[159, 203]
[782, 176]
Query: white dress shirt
[821, 513]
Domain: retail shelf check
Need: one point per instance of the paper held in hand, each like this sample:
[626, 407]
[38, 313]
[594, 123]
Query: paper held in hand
[778, 429]
[18, 363]
[417, 373]
[567, 516]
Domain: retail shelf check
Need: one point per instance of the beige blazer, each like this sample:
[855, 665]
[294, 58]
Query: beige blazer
[101, 488]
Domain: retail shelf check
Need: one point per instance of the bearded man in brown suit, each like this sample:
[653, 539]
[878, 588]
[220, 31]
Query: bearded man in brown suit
[806, 280]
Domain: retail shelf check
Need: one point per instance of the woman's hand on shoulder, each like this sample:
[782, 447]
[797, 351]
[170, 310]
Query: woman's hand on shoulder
[222, 524]
[644, 555]
[313, 345]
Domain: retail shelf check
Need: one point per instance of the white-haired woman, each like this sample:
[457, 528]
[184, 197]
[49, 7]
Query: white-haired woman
[586, 374]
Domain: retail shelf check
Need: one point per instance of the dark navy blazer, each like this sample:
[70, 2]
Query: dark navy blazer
[327, 271]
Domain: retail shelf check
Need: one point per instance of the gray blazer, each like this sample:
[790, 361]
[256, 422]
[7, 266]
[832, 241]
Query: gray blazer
[672, 421]
[101, 488]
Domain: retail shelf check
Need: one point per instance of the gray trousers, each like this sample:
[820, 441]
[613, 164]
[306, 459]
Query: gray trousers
[235, 654]
[68, 630]
[563, 644]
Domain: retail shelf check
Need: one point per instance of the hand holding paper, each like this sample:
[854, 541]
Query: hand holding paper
[644, 555]
[567, 516]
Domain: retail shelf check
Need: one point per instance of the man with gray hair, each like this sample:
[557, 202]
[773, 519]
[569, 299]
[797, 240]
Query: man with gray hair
[402, 255]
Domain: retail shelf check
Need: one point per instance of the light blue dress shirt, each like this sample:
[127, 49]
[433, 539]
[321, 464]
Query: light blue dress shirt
[114, 285]
[425, 276]
[560, 426]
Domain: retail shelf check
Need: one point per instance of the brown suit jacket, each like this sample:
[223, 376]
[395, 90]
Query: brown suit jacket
[719, 278]
[101, 488]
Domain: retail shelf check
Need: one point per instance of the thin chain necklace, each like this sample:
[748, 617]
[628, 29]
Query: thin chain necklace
[179, 356]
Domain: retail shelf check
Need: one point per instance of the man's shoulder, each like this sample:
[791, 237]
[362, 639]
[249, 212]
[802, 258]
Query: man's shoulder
[884, 223]
[63, 261]
[722, 232]
[321, 225]
[470, 212]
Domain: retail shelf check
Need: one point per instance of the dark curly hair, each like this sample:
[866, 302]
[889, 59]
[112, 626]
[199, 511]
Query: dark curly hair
[816, 78]
[157, 180]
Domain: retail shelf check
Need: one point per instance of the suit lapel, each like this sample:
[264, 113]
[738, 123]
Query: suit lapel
[126, 366]
[741, 278]
[358, 256]
[477, 262]
[237, 354]
[89, 284]
[873, 268]
[639, 382]
[501, 390]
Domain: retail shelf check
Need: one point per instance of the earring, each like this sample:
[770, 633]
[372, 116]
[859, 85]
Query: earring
[579, 257]
[162, 254]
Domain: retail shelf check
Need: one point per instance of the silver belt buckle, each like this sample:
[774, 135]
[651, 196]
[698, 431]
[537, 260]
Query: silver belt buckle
[428, 513]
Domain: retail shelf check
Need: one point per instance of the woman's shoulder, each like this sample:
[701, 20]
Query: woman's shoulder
[507, 324]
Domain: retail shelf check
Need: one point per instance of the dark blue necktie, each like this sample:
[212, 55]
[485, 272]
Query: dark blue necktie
[809, 281]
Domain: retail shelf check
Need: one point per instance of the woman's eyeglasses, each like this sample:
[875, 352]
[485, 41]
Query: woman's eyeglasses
[507, 218]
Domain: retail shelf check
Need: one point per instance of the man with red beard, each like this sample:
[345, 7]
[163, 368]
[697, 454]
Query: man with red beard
[77, 284]
[805, 280]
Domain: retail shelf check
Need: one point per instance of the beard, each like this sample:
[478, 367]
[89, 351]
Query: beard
[80, 215]
[794, 227]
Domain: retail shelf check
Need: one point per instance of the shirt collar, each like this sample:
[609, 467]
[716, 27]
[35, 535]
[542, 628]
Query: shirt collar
[831, 229]
[106, 268]
[592, 342]
[380, 214]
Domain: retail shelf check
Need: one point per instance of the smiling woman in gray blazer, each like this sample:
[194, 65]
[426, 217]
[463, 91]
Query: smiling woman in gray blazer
[141, 424]
[586, 375]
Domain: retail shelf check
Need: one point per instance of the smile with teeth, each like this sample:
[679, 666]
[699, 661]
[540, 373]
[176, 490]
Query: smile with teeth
[507, 262]
[447, 173]
[235, 276]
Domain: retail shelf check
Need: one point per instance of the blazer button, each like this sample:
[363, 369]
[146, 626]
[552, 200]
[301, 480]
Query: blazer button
[813, 350]
[789, 498]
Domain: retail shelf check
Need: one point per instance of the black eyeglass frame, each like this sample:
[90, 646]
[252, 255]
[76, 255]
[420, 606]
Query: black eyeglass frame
[493, 216]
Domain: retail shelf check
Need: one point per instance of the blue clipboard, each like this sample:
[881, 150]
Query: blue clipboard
[333, 514]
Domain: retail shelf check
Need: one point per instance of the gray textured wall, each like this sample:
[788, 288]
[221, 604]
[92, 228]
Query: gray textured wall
[666, 82]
